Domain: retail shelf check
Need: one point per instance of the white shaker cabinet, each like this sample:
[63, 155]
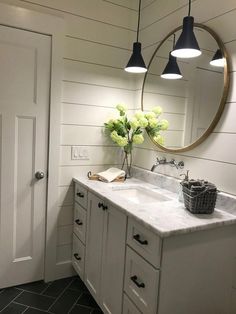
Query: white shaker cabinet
[105, 254]
[130, 269]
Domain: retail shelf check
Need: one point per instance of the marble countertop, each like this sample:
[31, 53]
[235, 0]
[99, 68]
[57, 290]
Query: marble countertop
[164, 218]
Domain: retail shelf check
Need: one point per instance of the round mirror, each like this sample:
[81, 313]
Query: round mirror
[193, 103]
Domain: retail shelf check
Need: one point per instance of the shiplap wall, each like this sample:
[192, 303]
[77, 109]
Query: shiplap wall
[97, 45]
[215, 159]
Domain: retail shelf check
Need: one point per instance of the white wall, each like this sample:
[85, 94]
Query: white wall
[97, 45]
[215, 159]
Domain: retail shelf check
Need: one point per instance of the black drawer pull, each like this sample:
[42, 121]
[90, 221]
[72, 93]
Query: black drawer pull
[101, 205]
[79, 194]
[79, 222]
[137, 238]
[104, 207]
[135, 280]
[76, 255]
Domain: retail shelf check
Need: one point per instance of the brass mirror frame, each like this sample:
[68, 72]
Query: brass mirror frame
[223, 98]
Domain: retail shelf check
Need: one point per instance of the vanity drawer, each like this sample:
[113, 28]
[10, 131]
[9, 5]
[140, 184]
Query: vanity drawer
[129, 307]
[81, 195]
[141, 282]
[78, 255]
[80, 222]
[145, 242]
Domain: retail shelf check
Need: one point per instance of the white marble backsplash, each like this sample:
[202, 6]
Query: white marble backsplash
[225, 202]
[162, 181]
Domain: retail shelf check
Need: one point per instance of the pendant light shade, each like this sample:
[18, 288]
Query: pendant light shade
[187, 45]
[172, 71]
[136, 63]
[218, 60]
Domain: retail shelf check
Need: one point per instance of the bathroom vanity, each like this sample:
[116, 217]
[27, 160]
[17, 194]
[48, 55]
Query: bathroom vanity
[139, 251]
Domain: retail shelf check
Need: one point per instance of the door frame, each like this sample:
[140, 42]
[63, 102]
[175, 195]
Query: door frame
[45, 24]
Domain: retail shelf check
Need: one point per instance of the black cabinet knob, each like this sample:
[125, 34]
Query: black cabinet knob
[100, 205]
[137, 238]
[79, 222]
[76, 255]
[79, 194]
[138, 284]
[104, 207]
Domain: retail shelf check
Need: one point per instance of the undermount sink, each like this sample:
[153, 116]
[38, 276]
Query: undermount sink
[140, 195]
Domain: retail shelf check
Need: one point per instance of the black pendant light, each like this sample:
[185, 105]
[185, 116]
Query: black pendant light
[172, 71]
[136, 63]
[187, 45]
[218, 59]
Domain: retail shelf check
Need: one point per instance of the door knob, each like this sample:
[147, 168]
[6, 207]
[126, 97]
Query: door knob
[39, 175]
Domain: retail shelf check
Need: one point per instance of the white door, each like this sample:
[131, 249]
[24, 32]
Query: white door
[24, 113]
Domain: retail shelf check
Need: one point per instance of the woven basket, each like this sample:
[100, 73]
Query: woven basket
[202, 202]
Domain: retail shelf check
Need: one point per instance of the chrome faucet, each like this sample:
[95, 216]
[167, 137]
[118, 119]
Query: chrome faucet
[172, 162]
[158, 162]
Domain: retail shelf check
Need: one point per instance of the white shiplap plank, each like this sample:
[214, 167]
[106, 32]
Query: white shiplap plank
[97, 10]
[65, 196]
[131, 4]
[65, 217]
[83, 135]
[86, 115]
[157, 10]
[98, 32]
[64, 235]
[95, 74]
[91, 52]
[64, 253]
[95, 95]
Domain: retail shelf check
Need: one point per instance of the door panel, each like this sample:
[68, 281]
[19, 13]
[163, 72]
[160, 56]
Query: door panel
[23, 207]
[24, 110]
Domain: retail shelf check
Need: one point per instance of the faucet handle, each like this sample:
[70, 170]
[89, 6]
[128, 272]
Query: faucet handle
[181, 165]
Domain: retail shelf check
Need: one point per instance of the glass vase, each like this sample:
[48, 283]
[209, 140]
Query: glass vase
[127, 164]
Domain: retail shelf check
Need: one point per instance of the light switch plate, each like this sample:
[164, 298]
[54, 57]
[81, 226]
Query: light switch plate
[79, 153]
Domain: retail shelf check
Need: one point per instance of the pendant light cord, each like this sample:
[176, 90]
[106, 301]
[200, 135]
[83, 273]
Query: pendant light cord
[139, 10]
[189, 7]
[173, 41]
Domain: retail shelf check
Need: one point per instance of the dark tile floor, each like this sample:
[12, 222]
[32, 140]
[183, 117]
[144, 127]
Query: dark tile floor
[62, 296]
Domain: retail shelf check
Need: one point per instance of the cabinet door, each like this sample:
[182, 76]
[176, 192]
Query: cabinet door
[94, 234]
[78, 256]
[113, 260]
[80, 222]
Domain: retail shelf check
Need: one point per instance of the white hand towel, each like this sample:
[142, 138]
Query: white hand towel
[111, 174]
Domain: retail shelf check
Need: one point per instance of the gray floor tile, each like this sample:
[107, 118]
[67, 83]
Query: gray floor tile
[37, 301]
[7, 296]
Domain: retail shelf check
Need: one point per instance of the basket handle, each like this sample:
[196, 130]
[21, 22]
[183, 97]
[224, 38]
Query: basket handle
[207, 188]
